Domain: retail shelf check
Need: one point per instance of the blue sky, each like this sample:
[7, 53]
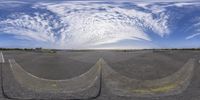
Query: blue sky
[99, 24]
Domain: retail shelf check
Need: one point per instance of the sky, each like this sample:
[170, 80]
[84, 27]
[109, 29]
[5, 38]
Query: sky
[100, 24]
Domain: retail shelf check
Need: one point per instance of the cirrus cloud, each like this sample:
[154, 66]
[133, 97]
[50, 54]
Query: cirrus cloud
[86, 24]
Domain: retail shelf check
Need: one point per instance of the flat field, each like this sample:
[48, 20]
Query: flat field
[135, 64]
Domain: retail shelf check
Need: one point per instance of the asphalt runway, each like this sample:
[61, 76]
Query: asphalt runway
[137, 64]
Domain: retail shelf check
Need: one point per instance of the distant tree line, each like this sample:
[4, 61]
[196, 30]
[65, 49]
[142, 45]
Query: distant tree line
[31, 49]
[81, 50]
[28, 49]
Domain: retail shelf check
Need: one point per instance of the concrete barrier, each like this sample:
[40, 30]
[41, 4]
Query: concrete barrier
[125, 86]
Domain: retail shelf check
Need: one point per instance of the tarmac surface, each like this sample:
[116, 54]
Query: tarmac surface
[64, 65]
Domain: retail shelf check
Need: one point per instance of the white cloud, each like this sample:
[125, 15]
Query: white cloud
[29, 27]
[186, 4]
[192, 36]
[154, 1]
[89, 25]
[10, 4]
[85, 24]
[195, 29]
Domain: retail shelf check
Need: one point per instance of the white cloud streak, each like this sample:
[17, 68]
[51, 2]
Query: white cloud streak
[192, 36]
[195, 28]
[10, 4]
